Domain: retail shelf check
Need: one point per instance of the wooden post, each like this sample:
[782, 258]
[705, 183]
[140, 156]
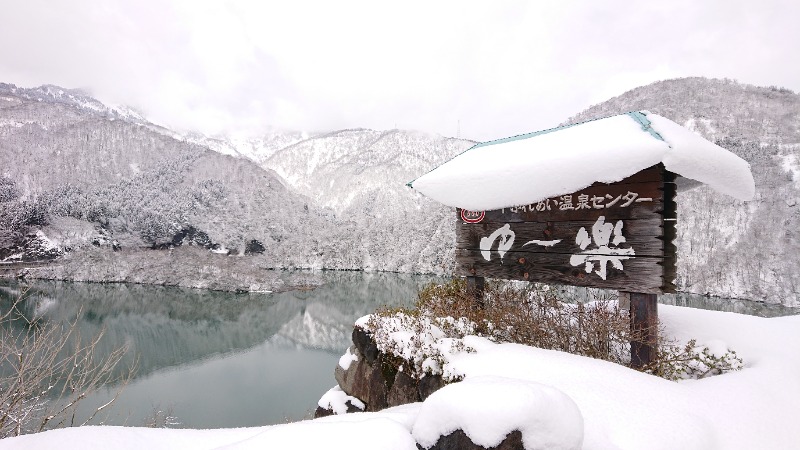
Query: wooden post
[475, 286]
[644, 327]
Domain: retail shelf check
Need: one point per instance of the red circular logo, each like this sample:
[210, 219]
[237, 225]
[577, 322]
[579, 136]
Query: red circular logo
[472, 216]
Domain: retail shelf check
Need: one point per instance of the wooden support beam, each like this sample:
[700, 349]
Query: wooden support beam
[476, 286]
[644, 327]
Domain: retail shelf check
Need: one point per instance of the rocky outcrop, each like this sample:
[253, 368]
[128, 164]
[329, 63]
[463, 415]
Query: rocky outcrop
[378, 379]
[477, 413]
[458, 440]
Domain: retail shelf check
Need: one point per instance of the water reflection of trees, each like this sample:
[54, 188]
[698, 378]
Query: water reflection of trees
[168, 326]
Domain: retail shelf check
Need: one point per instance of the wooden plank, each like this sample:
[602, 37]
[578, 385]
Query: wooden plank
[617, 201]
[644, 236]
[644, 328]
[670, 233]
[640, 274]
[652, 173]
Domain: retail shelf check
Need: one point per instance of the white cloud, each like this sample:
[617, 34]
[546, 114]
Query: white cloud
[498, 68]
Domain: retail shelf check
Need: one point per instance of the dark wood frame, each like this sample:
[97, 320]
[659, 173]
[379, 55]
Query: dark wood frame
[649, 228]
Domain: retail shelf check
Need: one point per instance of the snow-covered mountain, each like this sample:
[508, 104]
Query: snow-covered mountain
[138, 186]
[338, 199]
[727, 247]
[360, 175]
[72, 97]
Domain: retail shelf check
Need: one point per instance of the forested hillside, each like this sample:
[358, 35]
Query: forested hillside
[727, 247]
[80, 177]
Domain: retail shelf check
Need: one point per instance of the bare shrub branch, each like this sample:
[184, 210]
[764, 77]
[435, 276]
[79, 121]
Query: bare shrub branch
[529, 314]
[47, 369]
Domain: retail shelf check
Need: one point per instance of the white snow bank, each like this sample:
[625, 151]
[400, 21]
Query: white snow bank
[487, 409]
[69, 232]
[529, 168]
[621, 408]
[371, 431]
[46, 242]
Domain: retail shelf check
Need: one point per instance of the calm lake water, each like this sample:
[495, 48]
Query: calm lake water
[215, 359]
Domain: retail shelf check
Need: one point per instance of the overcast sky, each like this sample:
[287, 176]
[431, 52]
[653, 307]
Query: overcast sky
[498, 68]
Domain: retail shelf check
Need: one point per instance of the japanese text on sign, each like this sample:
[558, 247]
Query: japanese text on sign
[583, 201]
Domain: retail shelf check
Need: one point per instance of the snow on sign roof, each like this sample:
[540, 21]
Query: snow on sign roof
[531, 167]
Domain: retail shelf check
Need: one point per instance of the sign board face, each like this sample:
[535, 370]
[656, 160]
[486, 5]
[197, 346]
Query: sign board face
[613, 236]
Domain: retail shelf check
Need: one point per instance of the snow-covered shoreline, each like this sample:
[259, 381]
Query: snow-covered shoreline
[185, 266]
[619, 407]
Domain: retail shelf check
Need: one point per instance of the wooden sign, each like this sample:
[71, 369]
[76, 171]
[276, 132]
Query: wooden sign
[613, 236]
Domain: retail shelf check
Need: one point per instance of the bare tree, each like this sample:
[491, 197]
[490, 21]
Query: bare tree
[47, 369]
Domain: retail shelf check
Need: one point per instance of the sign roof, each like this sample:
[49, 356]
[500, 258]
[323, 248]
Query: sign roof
[532, 167]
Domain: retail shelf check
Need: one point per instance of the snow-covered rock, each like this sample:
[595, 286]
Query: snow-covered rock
[488, 409]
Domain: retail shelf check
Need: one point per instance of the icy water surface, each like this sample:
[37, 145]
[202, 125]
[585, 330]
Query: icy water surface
[215, 359]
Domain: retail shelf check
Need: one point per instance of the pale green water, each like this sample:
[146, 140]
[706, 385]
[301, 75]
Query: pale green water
[217, 359]
[228, 360]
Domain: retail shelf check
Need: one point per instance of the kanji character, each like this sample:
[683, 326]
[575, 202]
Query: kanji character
[566, 203]
[583, 202]
[606, 249]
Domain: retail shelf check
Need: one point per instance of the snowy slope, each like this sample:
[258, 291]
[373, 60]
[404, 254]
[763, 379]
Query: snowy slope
[338, 199]
[141, 185]
[142, 188]
[727, 247]
[336, 168]
[256, 148]
[360, 175]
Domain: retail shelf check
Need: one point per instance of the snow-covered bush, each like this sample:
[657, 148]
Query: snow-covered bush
[417, 343]
[8, 190]
[534, 314]
[162, 418]
[676, 362]
[420, 338]
[17, 215]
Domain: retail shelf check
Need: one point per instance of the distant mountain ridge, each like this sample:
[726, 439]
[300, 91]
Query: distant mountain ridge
[74, 97]
[717, 109]
[337, 199]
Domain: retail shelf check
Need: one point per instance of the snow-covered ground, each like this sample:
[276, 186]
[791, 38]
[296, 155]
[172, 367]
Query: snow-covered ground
[598, 405]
